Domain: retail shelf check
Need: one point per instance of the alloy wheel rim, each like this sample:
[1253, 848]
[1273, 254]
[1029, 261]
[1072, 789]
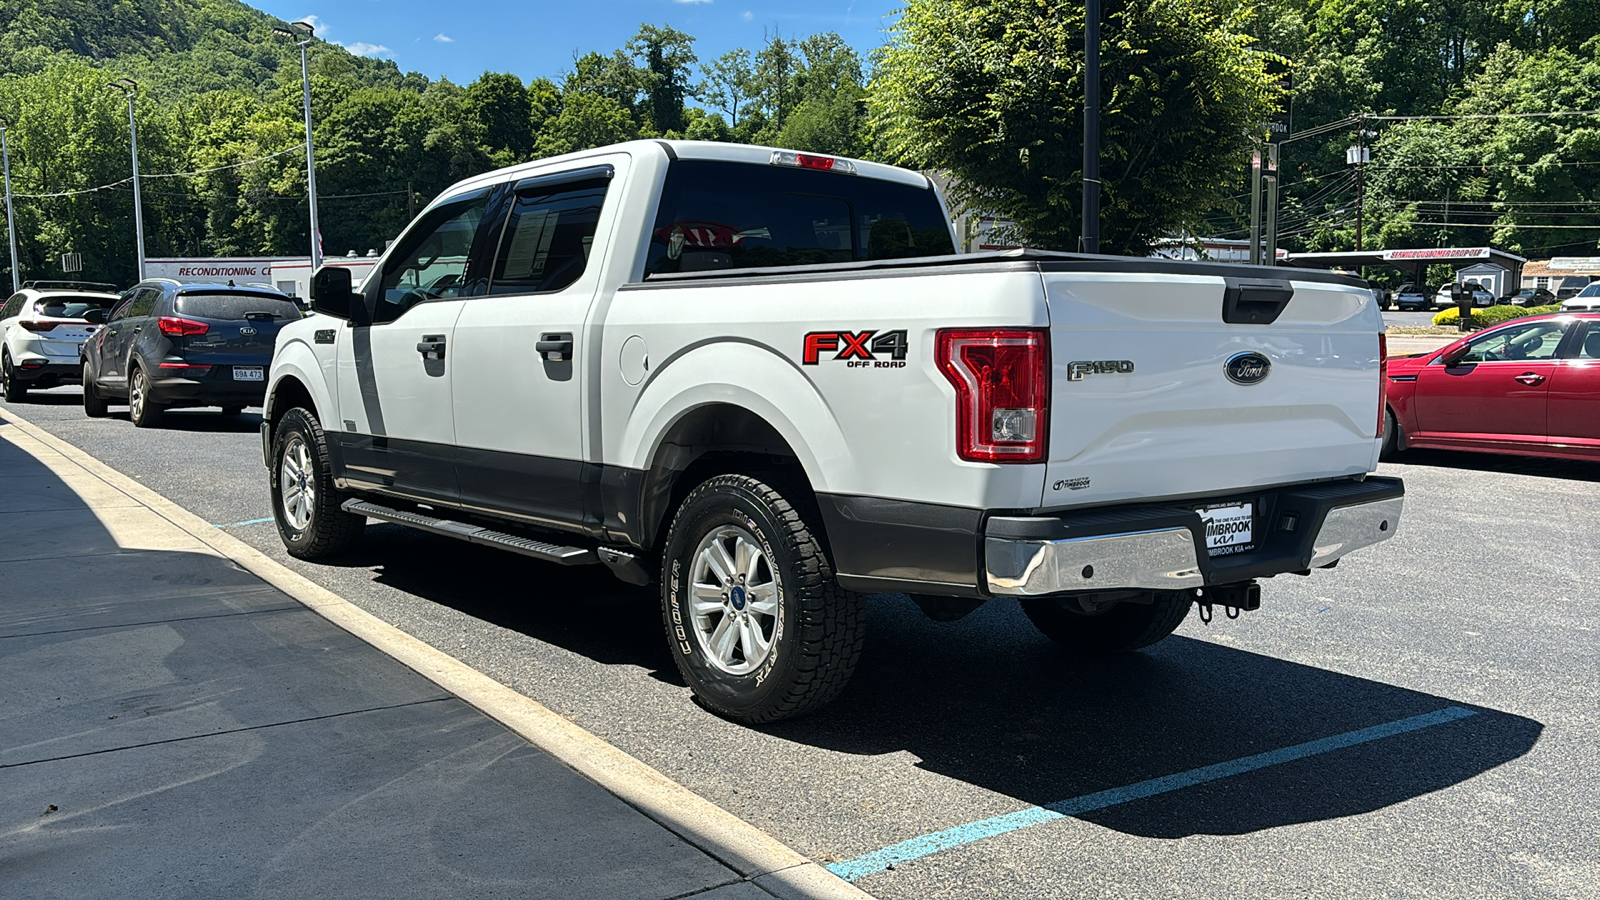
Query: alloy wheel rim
[136, 395]
[296, 487]
[734, 598]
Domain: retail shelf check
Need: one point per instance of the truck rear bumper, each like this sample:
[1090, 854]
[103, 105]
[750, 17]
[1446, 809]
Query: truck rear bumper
[1163, 547]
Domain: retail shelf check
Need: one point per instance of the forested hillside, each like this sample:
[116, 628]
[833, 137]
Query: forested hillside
[1479, 115]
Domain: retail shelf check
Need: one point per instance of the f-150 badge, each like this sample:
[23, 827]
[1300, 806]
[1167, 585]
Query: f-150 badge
[1078, 368]
[863, 349]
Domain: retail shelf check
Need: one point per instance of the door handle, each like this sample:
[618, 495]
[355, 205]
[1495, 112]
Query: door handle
[555, 347]
[1531, 378]
[431, 346]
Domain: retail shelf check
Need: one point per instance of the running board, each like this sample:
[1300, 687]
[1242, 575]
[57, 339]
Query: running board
[475, 534]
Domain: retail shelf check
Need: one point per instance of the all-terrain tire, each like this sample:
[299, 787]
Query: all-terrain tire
[1124, 627]
[320, 530]
[816, 632]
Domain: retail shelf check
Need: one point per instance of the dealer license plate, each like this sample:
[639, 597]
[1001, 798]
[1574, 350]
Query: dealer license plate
[249, 373]
[1228, 528]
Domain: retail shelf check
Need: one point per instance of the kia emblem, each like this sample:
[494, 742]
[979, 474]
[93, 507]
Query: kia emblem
[246, 329]
[1249, 367]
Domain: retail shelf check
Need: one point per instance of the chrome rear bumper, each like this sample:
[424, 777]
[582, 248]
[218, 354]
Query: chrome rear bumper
[1172, 557]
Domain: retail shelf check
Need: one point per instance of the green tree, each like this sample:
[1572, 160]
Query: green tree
[729, 84]
[991, 90]
[500, 104]
[668, 58]
[587, 120]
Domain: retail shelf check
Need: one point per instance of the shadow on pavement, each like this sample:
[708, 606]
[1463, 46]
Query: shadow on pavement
[173, 726]
[990, 702]
[1570, 469]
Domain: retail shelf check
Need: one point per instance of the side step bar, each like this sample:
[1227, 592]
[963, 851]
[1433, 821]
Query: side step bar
[475, 534]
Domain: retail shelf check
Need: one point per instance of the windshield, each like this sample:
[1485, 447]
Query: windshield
[1592, 290]
[68, 306]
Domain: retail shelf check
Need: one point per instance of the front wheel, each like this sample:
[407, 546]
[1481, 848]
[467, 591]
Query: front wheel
[1391, 436]
[305, 504]
[15, 391]
[94, 405]
[757, 624]
[1126, 626]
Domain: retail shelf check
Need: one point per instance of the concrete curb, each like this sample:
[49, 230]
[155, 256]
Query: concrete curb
[755, 855]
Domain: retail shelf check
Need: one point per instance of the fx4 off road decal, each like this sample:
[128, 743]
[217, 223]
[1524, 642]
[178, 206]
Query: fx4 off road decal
[859, 349]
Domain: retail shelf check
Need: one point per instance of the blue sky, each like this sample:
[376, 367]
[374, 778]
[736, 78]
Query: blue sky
[461, 40]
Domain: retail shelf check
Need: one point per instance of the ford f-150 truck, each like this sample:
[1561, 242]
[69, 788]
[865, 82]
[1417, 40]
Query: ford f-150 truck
[765, 380]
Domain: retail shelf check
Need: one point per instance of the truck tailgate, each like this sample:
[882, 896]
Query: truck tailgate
[1143, 406]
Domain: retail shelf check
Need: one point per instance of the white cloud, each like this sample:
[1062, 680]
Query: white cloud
[317, 23]
[362, 48]
[443, 38]
[748, 16]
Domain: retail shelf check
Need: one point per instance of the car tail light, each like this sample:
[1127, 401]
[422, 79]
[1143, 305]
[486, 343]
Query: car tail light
[38, 327]
[1383, 380]
[32, 364]
[184, 369]
[812, 161]
[176, 327]
[1002, 382]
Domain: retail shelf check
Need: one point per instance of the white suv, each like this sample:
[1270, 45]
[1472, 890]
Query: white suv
[42, 330]
[1585, 300]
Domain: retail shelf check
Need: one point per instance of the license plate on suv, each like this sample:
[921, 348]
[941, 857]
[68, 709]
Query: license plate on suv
[1230, 527]
[249, 373]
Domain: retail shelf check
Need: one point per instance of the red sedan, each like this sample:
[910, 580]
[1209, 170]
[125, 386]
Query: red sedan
[1529, 387]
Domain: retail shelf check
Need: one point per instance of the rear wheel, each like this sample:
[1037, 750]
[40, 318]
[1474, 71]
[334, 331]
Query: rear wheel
[757, 624]
[1118, 629]
[94, 405]
[15, 391]
[1391, 437]
[305, 503]
[142, 409]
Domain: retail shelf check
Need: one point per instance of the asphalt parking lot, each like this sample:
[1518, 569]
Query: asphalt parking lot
[1419, 721]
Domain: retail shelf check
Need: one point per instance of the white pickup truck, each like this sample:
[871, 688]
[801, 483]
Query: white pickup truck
[765, 379]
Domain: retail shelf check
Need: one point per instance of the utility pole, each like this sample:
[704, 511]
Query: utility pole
[11, 222]
[1089, 240]
[1256, 161]
[302, 34]
[1358, 156]
[1271, 177]
[129, 90]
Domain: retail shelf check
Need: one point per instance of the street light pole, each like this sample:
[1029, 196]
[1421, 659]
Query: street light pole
[302, 33]
[11, 222]
[129, 88]
[1089, 240]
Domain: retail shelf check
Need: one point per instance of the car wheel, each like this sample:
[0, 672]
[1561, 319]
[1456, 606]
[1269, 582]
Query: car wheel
[757, 624]
[1391, 436]
[1117, 629]
[143, 410]
[305, 504]
[14, 390]
[94, 405]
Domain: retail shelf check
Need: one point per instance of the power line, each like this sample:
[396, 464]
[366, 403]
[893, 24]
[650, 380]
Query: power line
[129, 179]
[1526, 115]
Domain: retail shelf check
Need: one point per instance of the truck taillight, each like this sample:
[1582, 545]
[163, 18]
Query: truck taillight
[1002, 382]
[176, 327]
[1383, 381]
[811, 161]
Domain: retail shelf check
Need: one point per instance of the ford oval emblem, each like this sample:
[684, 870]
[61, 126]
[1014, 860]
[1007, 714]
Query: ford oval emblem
[1247, 368]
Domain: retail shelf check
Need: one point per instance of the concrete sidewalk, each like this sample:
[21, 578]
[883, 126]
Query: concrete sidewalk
[172, 725]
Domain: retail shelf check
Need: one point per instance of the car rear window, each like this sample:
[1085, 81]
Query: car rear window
[67, 306]
[235, 306]
[728, 215]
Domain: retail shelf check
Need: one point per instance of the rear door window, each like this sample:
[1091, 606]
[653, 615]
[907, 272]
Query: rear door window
[727, 215]
[236, 307]
[548, 238]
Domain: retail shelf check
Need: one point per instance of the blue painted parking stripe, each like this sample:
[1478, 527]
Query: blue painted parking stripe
[246, 522]
[928, 844]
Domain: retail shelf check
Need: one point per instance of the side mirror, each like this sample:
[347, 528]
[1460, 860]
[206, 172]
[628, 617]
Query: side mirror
[1453, 355]
[95, 317]
[331, 293]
